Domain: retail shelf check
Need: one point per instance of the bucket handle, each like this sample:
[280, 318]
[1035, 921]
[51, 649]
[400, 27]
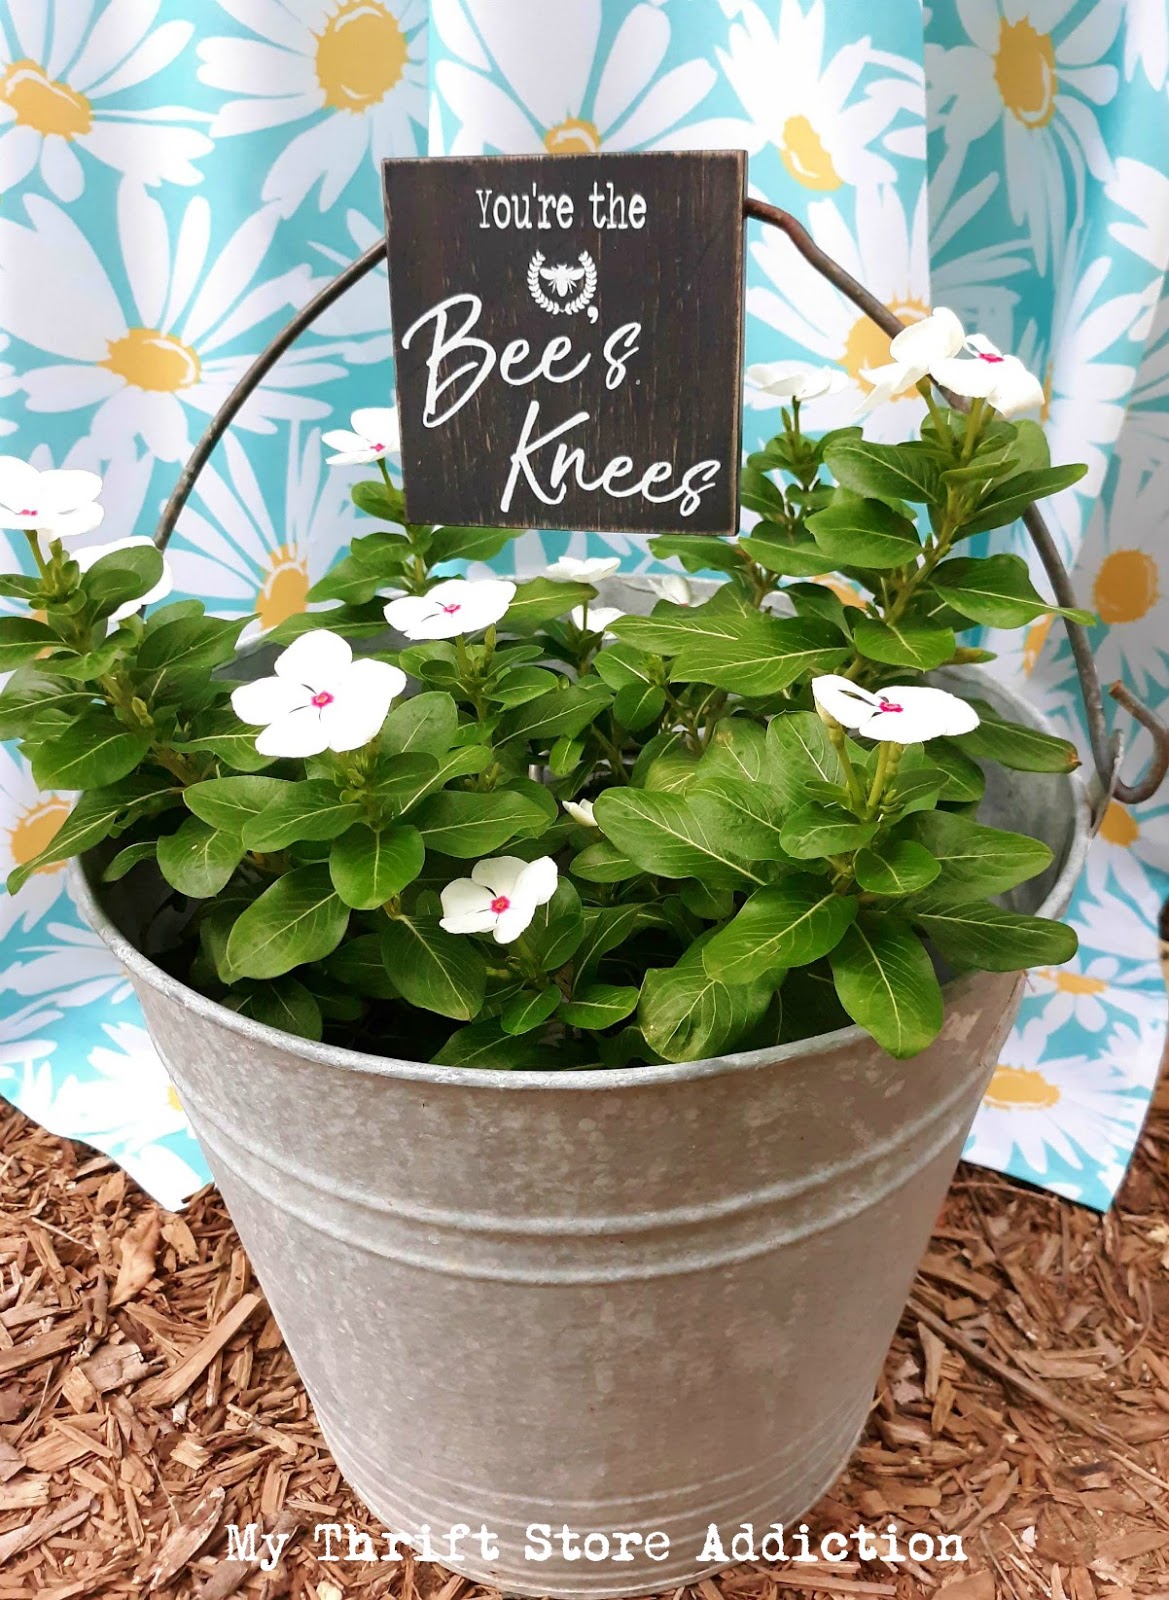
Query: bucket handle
[1107, 750]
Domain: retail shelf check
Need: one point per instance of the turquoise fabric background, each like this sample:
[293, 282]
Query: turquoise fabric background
[178, 176]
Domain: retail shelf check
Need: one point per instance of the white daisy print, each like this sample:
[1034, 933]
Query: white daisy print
[1109, 922]
[354, 71]
[360, 319]
[1123, 577]
[71, 81]
[1035, 68]
[1129, 851]
[243, 557]
[524, 79]
[888, 252]
[73, 968]
[1088, 990]
[29, 820]
[1142, 192]
[150, 355]
[1078, 1110]
[809, 106]
[9, 385]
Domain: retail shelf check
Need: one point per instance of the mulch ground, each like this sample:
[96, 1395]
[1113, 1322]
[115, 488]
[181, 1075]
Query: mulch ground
[146, 1402]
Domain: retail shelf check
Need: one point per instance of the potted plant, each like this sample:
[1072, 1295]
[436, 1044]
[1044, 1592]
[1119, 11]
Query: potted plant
[583, 991]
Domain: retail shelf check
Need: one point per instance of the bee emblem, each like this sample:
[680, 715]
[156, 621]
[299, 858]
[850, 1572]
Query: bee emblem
[563, 279]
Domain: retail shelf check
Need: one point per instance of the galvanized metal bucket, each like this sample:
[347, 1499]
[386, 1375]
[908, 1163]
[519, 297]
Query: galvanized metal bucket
[642, 1301]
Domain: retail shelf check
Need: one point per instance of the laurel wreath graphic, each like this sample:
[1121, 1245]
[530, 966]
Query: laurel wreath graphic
[566, 308]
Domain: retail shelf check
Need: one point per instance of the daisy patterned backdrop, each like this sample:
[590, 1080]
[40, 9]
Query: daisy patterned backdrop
[179, 175]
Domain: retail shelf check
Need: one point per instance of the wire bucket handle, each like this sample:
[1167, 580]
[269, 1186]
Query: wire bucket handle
[1107, 749]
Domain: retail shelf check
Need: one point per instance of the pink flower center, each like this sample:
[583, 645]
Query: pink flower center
[323, 699]
[985, 356]
[26, 511]
[888, 705]
[450, 609]
[500, 904]
[377, 447]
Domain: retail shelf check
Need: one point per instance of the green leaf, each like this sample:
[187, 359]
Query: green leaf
[358, 965]
[297, 919]
[771, 547]
[622, 664]
[1010, 498]
[904, 644]
[93, 750]
[605, 929]
[227, 803]
[790, 925]
[975, 861]
[981, 935]
[671, 836]
[556, 930]
[520, 685]
[530, 1009]
[96, 814]
[182, 652]
[858, 532]
[126, 860]
[758, 493]
[198, 860]
[886, 982]
[22, 638]
[540, 600]
[749, 813]
[1014, 745]
[409, 779]
[765, 655]
[379, 499]
[996, 591]
[468, 544]
[895, 867]
[310, 810]
[464, 824]
[222, 734]
[484, 1044]
[564, 711]
[686, 1015]
[637, 705]
[603, 863]
[887, 471]
[426, 723]
[369, 867]
[284, 1004]
[800, 752]
[699, 552]
[814, 831]
[439, 971]
[670, 628]
[35, 700]
[737, 749]
[119, 577]
[599, 1005]
[916, 790]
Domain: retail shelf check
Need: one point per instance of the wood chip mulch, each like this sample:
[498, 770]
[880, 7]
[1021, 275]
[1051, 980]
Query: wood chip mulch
[146, 1402]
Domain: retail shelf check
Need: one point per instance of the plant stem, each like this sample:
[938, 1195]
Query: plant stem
[35, 546]
[840, 744]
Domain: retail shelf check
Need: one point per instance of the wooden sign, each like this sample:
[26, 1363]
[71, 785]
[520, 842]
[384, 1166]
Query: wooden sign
[568, 339]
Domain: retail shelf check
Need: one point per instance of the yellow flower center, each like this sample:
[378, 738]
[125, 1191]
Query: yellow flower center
[867, 346]
[802, 152]
[1119, 826]
[151, 360]
[284, 592]
[573, 137]
[1033, 641]
[361, 55]
[1021, 1088]
[1127, 586]
[36, 830]
[1024, 70]
[1072, 982]
[173, 1100]
[43, 103]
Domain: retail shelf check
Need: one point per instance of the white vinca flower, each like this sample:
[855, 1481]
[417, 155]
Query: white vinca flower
[795, 380]
[59, 503]
[94, 552]
[569, 570]
[500, 897]
[458, 606]
[987, 374]
[581, 811]
[899, 714]
[914, 350]
[673, 587]
[320, 698]
[376, 434]
[594, 619]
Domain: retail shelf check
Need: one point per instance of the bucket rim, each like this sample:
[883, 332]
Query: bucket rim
[87, 897]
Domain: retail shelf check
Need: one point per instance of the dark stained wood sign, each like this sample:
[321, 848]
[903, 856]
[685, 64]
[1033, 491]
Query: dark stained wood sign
[568, 339]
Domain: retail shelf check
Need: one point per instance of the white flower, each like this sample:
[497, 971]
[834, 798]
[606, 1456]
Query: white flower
[902, 714]
[376, 435]
[795, 380]
[500, 897]
[29, 818]
[152, 332]
[352, 73]
[320, 699]
[59, 503]
[568, 569]
[915, 351]
[94, 552]
[594, 619]
[987, 374]
[673, 587]
[457, 606]
[581, 811]
[74, 80]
